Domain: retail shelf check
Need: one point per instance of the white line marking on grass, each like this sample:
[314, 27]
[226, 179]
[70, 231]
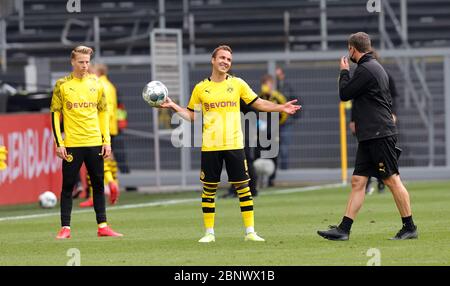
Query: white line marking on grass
[173, 202]
[302, 189]
[152, 204]
[27, 216]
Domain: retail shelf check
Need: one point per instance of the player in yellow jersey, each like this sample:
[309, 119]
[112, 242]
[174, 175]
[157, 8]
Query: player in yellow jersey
[218, 98]
[269, 93]
[110, 164]
[3, 153]
[80, 99]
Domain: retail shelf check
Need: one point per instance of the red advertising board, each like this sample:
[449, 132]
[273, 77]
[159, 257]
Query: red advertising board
[33, 166]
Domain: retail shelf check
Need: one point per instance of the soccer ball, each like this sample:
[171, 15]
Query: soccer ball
[155, 93]
[47, 200]
[264, 168]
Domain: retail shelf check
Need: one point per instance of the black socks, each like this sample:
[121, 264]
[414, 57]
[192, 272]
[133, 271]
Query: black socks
[346, 224]
[408, 223]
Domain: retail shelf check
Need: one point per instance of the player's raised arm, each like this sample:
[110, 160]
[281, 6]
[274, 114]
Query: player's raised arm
[265, 105]
[185, 113]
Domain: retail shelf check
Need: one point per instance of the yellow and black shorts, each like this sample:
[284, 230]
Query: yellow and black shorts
[235, 163]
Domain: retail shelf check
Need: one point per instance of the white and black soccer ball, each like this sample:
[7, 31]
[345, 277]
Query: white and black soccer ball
[264, 168]
[47, 200]
[155, 93]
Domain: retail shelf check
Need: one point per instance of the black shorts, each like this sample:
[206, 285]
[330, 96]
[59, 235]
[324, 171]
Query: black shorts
[377, 158]
[235, 163]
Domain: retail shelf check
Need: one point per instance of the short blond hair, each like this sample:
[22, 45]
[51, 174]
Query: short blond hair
[81, 50]
[221, 47]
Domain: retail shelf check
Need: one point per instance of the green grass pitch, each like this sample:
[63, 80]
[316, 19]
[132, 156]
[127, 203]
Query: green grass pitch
[167, 234]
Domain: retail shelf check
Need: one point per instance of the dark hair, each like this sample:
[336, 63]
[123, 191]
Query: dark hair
[221, 47]
[360, 41]
[267, 77]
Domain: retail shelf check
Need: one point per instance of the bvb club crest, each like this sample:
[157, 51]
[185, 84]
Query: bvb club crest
[69, 158]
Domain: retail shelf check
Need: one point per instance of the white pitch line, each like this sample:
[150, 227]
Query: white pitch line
[172, 202]
[152, 204]
[27, 216]
[302, 189]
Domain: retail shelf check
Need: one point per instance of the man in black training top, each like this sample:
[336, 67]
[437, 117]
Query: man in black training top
[376, 132]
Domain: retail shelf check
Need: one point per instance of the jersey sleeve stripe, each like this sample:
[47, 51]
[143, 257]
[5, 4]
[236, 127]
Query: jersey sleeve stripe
[251, 102]
[58, 144]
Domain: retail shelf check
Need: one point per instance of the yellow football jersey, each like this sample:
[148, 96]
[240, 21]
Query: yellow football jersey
[111, 98]
[83, 105]
[219, 103]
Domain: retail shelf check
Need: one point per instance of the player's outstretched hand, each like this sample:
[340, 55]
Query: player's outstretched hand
[167, 103]
[290, 108]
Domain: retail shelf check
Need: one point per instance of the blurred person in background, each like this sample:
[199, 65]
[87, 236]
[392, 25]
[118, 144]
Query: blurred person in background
[122, 123]
[269, 93]
[110, 164]
[3, 156]
[286, 89]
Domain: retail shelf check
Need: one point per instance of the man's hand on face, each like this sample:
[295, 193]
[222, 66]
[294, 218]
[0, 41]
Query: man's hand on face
[344, 65]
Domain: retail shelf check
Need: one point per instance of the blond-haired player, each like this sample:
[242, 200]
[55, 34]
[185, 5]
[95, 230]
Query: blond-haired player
[79, 98]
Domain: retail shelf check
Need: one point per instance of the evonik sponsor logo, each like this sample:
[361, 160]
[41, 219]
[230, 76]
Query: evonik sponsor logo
[220, 104]
[72, 105]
